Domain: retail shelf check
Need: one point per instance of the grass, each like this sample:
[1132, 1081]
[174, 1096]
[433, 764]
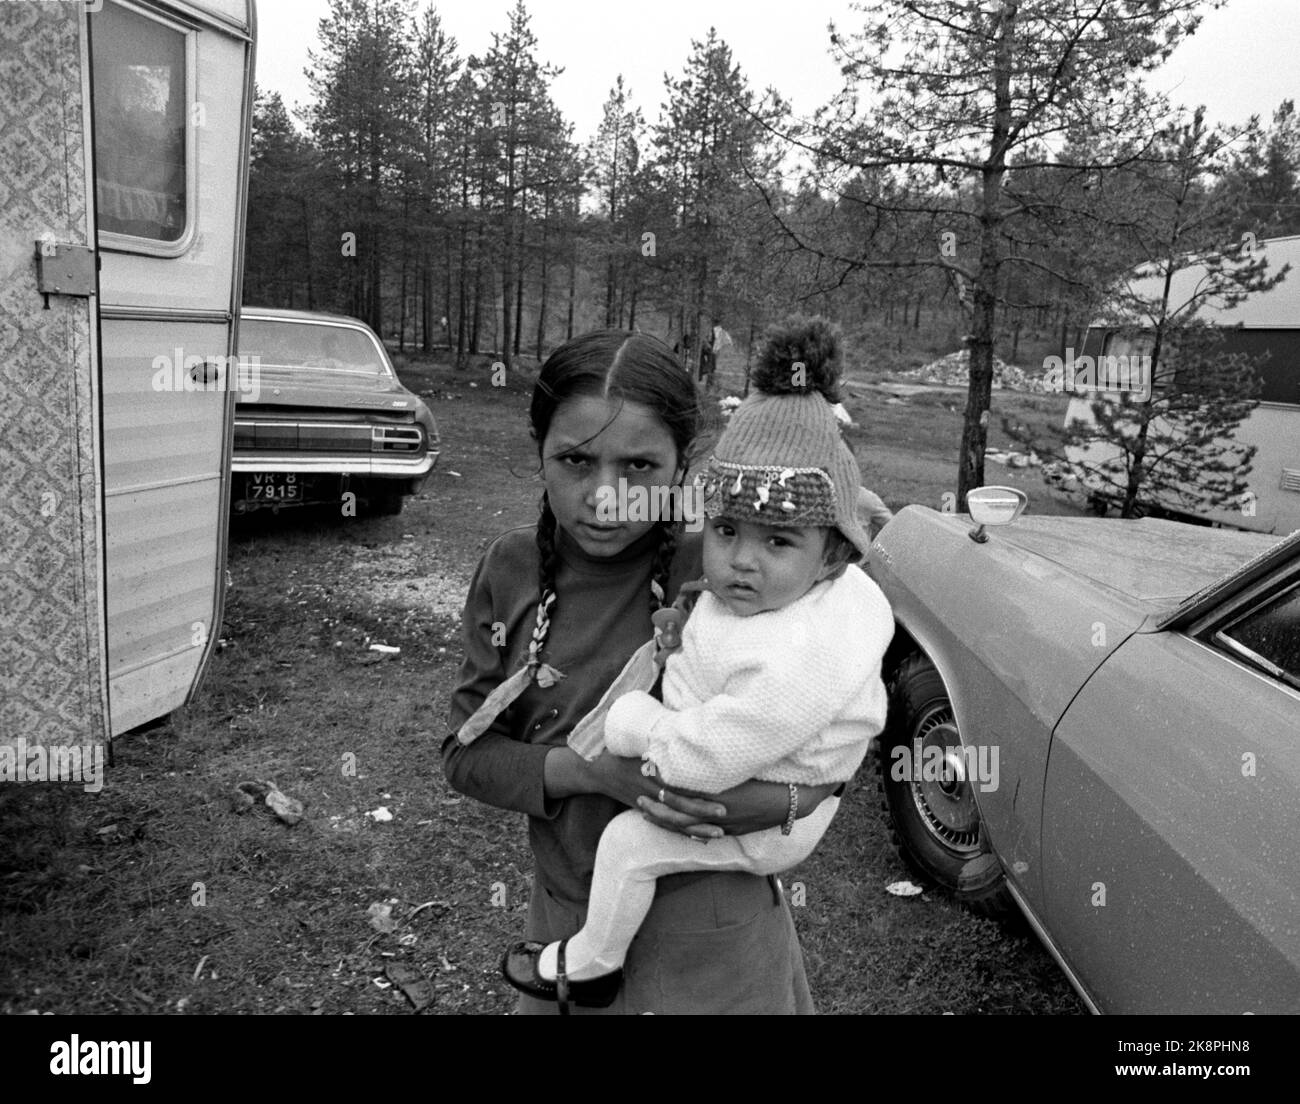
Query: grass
[157, 895]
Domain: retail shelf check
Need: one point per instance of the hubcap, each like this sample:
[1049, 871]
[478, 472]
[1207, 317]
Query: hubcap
[940, 788]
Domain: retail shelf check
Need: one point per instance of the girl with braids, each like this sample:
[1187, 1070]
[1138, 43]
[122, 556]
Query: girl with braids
[556, 610]
[778, 672]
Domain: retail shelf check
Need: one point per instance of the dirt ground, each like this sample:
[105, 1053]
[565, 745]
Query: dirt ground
[161, 894]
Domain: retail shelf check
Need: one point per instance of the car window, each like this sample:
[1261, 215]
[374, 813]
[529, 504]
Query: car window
[141, 112]
[338, 349]
[1270, 635]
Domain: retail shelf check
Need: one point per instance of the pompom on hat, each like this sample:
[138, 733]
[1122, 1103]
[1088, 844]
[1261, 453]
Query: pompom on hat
[781, 461]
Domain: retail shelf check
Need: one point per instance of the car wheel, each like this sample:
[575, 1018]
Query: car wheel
[933, 819]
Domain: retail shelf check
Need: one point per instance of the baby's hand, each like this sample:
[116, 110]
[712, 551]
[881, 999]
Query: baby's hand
[629, 721]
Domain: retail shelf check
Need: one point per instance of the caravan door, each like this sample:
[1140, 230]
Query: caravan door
[172, 101]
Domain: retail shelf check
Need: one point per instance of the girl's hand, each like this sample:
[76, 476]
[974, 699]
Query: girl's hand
[622, 780]
[749, 807]
[567, 773]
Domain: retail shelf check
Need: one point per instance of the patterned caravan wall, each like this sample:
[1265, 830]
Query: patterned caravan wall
[52, 682]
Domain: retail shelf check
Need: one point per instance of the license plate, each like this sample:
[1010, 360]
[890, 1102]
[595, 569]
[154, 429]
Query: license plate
[272, 487]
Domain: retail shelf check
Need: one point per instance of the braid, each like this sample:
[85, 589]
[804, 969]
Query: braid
[547, 560]
[663, 563]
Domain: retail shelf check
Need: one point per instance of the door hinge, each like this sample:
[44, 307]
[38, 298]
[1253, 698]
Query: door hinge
[64, 269]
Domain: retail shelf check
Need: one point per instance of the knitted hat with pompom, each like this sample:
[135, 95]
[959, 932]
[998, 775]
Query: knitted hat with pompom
[781, 460]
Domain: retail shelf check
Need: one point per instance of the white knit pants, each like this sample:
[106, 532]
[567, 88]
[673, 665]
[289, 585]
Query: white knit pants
[633, 853]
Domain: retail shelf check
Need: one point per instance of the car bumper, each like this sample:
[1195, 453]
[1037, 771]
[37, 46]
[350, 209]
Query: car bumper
[393, 467]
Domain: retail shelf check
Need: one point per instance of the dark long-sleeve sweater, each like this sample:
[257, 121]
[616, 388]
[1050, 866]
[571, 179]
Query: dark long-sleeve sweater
[601, 616]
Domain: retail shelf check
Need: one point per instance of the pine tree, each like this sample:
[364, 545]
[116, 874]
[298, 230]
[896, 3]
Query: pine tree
[615, 157]
[954, 92]
[278, 241]
[363, 124]
[710, 141]
[1164, 438]
[1268, 172]
[514, 87]
[437, 72]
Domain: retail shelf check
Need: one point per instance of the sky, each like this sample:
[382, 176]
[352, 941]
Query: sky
[1244, 60]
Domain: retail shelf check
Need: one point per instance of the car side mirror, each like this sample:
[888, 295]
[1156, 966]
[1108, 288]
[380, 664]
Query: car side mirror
[993, 506]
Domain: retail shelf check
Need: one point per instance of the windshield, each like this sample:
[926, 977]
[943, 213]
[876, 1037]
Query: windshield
[335, 349]
[1255, 568]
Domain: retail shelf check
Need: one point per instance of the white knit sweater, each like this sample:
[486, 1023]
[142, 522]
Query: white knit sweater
[788, 695]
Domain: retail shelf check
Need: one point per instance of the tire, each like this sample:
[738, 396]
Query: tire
[934, 823]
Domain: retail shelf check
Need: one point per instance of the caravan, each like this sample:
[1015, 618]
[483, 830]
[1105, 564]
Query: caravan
[125, 132]
[1264, 322]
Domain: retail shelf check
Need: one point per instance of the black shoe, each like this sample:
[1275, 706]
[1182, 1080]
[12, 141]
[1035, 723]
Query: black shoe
[519, 967]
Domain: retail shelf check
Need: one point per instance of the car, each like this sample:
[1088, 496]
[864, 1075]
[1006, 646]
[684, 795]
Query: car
[321, 418]
[1096, 723]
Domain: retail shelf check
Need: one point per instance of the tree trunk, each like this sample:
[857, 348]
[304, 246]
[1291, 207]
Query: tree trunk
[610, 285]
[507, 320]
[749, 354]
[446, 293]
[374, 284]
[401, 312]
[573, 279]
[462, 293]
[519, 304]
[426, 300]
[480, 264]
[508, 248]
[975, 426]
[374, 292]
[462, 296]
[306, 234]
[545, 273]
[401, 309]
[477, 318]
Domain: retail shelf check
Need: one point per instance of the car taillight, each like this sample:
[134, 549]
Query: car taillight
[396, 438]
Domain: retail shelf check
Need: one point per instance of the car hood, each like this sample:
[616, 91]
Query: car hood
[1154, 563]
[328, 389]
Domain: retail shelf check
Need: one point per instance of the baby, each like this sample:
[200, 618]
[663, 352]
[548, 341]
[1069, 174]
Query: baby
[778, 676]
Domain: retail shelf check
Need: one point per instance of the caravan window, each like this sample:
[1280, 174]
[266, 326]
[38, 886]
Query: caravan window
[141, 103]
[1129, 344]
